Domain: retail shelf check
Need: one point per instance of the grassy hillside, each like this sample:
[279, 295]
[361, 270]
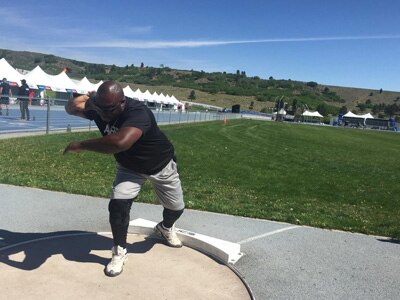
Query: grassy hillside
[219, 88]
[312, 175]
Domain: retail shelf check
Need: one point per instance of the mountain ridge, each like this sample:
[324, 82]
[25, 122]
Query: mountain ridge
[217, 88]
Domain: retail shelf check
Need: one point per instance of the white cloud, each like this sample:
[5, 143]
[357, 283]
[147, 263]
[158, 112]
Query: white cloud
[145, 44]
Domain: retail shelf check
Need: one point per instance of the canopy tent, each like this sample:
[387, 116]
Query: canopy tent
[128, 92]
[367, 116]
[281, 112]
[40, 78]
[156, 98]
[168, 99]
[175, 101]
[147, 96]
[63, 83]
[97, 85]
[349, 114]
[37, 78]
[312, 114]
[84, 86]
[7, 71]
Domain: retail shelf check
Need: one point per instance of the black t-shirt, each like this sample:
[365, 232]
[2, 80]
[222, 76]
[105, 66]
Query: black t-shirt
[6, 88]
[152, 152]
[23, 90]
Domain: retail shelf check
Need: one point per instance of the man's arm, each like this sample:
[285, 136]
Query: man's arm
[110, 144]
[76, 105]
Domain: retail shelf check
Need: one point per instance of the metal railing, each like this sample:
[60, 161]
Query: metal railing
[51, 118]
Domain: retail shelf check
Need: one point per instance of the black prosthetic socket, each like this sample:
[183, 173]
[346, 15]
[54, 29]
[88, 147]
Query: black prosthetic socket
[170, 216]
[119, 219]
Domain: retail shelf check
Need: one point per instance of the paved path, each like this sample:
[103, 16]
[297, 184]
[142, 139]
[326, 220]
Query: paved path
[281, 261]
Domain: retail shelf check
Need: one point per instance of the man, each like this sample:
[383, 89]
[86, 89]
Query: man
[23, 93]
[142, 152]
[6, 93]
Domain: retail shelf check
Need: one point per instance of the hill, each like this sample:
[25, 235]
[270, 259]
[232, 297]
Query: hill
[220, 88]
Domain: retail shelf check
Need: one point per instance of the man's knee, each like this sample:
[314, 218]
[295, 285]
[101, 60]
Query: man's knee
[119, 211]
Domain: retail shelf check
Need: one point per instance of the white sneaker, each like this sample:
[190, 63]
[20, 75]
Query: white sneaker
[115, 266]
[169, 235]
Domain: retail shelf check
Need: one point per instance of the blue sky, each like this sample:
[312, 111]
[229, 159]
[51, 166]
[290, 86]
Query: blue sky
[338, 42]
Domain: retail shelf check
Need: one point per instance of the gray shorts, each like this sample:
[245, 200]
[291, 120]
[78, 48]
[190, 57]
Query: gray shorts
[166, 185]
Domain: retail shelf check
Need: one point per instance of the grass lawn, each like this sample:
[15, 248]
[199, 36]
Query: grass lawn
[320, 176]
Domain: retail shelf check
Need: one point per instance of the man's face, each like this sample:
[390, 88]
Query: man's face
[108, 106]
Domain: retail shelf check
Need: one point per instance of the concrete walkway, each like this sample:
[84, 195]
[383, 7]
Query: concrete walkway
[281, 261]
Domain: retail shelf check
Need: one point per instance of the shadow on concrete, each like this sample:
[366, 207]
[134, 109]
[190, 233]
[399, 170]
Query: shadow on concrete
[69, 244]
[393, 241]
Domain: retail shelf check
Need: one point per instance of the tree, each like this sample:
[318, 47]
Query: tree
[361, 106]
[312, 84]
[251, 106]
[375, 109]
[391, 110]
[322, 109]
[141, 65]
[271, 78]
[380, 91]
[326, 90]
[294, 106]
[192, 95]
[343, 110]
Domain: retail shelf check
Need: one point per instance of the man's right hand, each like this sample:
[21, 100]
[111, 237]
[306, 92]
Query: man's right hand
[73, 146]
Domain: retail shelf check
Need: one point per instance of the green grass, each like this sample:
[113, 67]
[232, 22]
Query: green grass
[320, 176]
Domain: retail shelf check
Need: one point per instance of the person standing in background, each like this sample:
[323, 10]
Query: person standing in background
[31, 95]
[6, 93]
[23, 93]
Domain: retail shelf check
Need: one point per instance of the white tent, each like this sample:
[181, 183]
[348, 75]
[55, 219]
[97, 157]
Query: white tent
[84, 86]
[312, 114]
[281, 112]
[367, 116]
[128, 92]
[40, 78]
[156, 98]
[168, 99]
[97, 85]
[349, 114]
[63, 82]
[147, 96]
[7, 71]
[174, 100]
[138, 95]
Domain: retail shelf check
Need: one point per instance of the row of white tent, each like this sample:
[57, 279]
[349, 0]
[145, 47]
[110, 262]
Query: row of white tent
[38, 79]
[349, 114]
[306, 113]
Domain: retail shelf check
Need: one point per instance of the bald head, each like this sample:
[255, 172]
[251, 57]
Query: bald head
[110, 92]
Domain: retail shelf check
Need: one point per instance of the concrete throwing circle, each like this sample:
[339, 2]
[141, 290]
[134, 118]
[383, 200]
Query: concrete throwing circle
[72, 267]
